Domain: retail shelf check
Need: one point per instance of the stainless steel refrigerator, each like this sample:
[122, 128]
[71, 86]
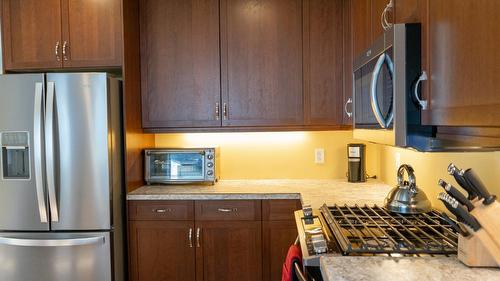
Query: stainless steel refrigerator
[61, 198]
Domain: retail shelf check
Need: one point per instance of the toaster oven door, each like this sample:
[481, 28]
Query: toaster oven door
[182, 166]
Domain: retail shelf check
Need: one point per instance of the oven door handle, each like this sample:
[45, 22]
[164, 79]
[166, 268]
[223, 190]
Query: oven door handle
[383, 121]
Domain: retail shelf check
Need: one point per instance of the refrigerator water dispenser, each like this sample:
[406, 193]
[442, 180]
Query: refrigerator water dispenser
[15, 155]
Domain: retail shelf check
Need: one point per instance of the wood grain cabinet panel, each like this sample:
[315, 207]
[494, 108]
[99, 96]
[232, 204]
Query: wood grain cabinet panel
[277, 237]
[220, 210]
[323, 51]
[180, 63]
[464, 63]
[161, 250]
[161, 210]
[360, 26]
[229, 250]
[377, 7]
[31, 32]
[92, 33]
[262, 62]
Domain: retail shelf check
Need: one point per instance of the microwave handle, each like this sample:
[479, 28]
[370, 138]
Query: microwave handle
[383, 121]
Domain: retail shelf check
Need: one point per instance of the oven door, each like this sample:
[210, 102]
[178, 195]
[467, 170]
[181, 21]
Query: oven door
[175, 166]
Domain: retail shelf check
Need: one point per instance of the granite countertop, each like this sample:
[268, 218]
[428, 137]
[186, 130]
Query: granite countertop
[343, 268]
[311, 192]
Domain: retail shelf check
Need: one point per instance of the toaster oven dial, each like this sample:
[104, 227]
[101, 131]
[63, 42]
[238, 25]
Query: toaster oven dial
[210, 173]
[210, 156]
[210, 164]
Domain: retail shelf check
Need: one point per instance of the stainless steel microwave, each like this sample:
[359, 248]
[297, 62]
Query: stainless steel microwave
[387, 103]
[181, 165]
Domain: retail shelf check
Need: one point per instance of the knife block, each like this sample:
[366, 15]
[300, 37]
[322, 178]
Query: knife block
[473, 253]
[489, 218]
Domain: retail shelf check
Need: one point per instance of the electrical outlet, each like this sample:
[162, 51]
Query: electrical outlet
[319, 155]
[398, 160]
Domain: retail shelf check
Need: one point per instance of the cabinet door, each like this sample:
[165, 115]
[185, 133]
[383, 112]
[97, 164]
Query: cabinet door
[161, 250]
[323, 29]
[361, 26]
[229, 250]
[277, 237]
[180, 63]
[464, 63]
[347, 55]
[377, 8]
[31, 34]
[262, 62]
[92, 33]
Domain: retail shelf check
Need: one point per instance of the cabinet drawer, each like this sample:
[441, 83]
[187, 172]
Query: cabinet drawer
[161, 210]
[228, 210]
[280, 209]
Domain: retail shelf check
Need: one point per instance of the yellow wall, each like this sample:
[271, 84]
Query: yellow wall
[276, 155]
[430, 167]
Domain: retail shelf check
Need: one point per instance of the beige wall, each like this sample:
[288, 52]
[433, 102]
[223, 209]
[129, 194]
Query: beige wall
[430, 167]
[276, 155]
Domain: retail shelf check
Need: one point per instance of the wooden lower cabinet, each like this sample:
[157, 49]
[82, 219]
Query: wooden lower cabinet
[161, 250]
[277, 236]
[229, 250]
[206, 242]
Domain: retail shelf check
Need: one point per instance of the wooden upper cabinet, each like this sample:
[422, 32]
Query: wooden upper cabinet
[262, 62]
[464, 63]
[347, 101]
[92, 33]
[52, 34]
[360, 26]
[31, 32]
[323, 60]
[377, 9]
[180, 63]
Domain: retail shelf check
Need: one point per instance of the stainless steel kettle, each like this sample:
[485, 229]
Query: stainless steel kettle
[406, 197]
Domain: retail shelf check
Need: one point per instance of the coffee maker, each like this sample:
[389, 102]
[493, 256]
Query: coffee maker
[356, 162]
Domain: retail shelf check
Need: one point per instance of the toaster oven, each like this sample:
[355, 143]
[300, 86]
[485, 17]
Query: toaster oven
[181, 165]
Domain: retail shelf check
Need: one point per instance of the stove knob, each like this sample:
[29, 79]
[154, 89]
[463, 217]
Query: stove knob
[319, 244]
[308, 212]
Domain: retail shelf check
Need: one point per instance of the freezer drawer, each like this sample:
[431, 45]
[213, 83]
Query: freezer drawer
[55, 256]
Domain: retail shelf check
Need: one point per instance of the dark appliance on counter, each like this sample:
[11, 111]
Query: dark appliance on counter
[368, 230]
[356, 170]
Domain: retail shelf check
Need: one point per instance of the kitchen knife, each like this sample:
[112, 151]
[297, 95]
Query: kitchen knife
[474, 181]
[455, 225]
[458, 175]
[455, 193]
[459, 211]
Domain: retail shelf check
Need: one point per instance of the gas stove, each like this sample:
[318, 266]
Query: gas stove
[372, 230]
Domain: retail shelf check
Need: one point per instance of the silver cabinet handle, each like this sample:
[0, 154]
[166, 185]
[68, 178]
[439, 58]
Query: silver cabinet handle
[58, 58]
[37, 152]
[383, 121]
[24, 242]
[383, 18]
[190, 237]
[198, 230]
[225, 111]
[163, 210]
[423, 103]
[49, 151]
[349, 114]
[64, 50]
[217, 111]
[227, 210]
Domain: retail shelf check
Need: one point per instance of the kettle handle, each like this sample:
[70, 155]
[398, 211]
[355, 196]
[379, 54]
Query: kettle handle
[411, 177]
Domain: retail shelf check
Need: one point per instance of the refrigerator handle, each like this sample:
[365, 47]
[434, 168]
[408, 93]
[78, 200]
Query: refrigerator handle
[49, 151]
[37, 152]
[51, 242]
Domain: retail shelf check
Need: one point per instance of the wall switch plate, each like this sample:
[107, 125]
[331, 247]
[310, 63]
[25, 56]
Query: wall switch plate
[319, 155]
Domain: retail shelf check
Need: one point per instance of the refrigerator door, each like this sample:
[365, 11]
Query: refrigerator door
[23, 198]
[55, 256]
[78, 154]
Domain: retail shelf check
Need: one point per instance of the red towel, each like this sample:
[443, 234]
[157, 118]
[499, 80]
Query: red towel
[294, 255]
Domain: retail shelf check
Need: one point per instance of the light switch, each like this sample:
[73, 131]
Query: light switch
[319, 155]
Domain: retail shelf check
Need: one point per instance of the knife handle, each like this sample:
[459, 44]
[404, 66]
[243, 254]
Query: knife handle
[455, 225]
[459, 211]
[459, 178]
[476, 182]
[455, 193]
